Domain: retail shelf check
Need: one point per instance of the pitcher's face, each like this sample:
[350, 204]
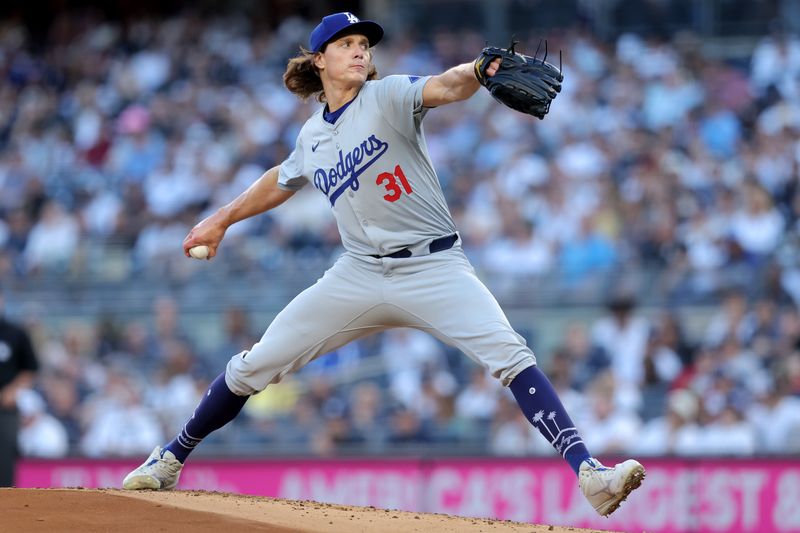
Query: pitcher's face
[345, 60]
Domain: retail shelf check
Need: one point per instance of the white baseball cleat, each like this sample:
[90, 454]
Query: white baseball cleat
[606, 487]
[159, 472]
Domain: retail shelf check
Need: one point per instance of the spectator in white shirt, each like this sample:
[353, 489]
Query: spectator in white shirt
[53, 240]
[609, 427]
[729, 434]
[776, 419]
[673, 432]
[758, 227]
[480, 398]
[623, 335]
[41, 435]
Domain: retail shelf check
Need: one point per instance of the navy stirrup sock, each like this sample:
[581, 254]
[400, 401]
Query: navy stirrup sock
[218, 407]
[539, 402]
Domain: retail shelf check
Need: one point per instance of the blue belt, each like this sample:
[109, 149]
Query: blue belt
[436, 245]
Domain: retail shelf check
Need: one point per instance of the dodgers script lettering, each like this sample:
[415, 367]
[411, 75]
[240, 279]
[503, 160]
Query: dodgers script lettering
[348, 168]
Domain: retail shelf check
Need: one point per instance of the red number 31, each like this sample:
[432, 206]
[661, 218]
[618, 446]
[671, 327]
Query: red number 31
[390, 182]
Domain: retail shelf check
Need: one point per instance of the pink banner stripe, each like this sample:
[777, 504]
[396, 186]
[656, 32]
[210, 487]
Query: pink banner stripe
[677, 496]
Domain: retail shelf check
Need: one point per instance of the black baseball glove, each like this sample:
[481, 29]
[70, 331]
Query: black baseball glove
[523, 83]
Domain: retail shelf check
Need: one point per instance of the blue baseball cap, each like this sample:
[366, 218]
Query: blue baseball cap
[339, 24]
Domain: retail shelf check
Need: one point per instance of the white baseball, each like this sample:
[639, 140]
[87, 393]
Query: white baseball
[199, 252]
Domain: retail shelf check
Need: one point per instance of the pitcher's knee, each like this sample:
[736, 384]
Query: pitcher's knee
[243, 377]
[507, 368]
[504, 353]
[507, 375]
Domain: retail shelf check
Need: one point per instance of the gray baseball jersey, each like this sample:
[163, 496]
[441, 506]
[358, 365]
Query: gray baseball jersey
[373, 166]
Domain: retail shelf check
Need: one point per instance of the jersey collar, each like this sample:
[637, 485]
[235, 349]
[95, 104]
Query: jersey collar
[331, 118]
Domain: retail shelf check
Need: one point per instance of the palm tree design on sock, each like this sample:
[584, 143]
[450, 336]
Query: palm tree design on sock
[552, 416]
[562, 439]
[538, 418]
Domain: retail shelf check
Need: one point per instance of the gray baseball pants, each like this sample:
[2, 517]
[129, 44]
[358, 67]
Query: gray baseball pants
[361, 295]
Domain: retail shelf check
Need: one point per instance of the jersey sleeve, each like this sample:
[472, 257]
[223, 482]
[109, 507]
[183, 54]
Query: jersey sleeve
[400, 100]
[290, 173]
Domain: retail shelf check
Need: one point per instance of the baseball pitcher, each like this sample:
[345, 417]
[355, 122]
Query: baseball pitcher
[403, 266]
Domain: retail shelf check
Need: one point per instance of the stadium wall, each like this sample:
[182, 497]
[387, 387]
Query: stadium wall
[758, 495]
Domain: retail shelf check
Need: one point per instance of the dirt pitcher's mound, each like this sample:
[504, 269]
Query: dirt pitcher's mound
[88, 511]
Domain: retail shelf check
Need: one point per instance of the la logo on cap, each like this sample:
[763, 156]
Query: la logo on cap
[338, 24]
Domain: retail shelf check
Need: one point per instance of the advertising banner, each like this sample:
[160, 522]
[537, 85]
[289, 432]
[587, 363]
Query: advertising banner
[677, 495]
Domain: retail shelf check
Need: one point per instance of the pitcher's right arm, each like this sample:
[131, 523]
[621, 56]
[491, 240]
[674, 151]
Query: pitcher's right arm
[264, 194]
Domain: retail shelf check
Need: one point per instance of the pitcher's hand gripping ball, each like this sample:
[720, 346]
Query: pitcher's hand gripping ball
[199, 252]
[523, 83]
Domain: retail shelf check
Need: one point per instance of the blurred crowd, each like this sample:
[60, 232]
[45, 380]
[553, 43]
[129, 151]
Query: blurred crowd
[634, 382]
[116, 138]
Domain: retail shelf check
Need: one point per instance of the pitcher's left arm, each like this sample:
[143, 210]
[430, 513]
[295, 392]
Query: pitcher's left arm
[455, 84]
